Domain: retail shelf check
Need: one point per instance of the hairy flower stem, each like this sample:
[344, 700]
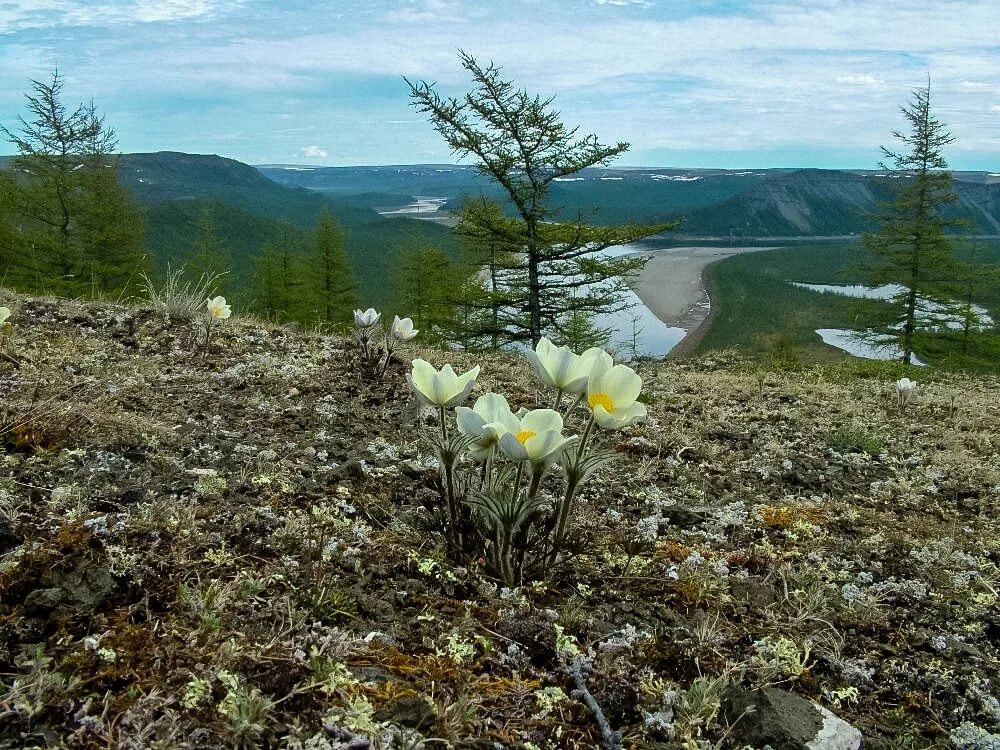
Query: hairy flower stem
[384, 367]
[505, 537]
[573, 478]
[537, 472]
[208, 336]
[486, 475]
[586, 436]
[448, 464]
[558, 399]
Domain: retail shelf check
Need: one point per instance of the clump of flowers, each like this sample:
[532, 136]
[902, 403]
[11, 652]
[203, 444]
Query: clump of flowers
[218, 310]
[500, 512]
[905, 390]
[375, 356]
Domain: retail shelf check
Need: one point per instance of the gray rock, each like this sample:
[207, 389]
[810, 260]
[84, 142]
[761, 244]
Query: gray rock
[686, 517]
[79, 589]
[785, 721]
[416, 712]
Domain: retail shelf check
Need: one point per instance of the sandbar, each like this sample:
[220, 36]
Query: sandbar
[672, 285]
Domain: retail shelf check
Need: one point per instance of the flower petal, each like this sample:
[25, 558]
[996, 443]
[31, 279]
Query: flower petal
[545, 444]
[540, 420]
[622, 384]
[512, 448]
[469, 421]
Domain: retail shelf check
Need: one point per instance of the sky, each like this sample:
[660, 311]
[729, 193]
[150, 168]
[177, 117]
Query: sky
[688, 83]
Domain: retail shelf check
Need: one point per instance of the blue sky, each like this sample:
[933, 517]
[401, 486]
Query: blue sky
[711, 83]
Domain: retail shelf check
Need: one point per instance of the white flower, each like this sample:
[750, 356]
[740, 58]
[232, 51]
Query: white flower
[537, 437]
[402, 328]
[905, 389]
[4, 314]
[489, 419]
[441, 388]
[559, 367]
[598, 358]
[218, 308]
[611, 395]
[366, 318]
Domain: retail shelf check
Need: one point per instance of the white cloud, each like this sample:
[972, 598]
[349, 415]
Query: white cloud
[859, 80]
[769, 72]
[976, 86]
[18, 15]
[314, 152]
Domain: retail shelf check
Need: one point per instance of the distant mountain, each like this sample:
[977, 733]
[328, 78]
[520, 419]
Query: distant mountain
[741, 203]
[817, 202]
[249, 209]
[606, 196]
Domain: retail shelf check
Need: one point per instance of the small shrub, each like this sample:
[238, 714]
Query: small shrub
[851, 438]
[177, 298]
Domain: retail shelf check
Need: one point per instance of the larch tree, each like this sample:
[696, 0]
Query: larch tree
[211, 257]
[427, 285]
[334, 290]
[77, 230]
[518, 140]
[972, 330]
[911, 247]
[278, 282]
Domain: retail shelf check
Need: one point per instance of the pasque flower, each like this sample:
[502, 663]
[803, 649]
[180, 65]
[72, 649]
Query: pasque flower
[4, 314]
[488, 420]
[905, 388]
[597, 357]
[218, 308]
[559, 367]
[611, 395]
[536, 437]
[366, 318]
[402, 328]
[442, 388]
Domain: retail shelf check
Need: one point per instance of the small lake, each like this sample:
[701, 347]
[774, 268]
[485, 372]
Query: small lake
[655, 338]
[850, 342]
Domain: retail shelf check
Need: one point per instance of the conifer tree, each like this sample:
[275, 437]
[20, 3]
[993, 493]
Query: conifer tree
[427, 284]
[972, 330]
[7, 247]
[211, 258]
[76, 230]
[518, 141]
[334, 290]
[911, 247]
[278, 282]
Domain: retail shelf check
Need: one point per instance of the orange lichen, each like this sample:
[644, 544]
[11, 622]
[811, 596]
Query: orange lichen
[784, 517]
[673, 551]
[382, 692]
[493, 688]
[427, 667]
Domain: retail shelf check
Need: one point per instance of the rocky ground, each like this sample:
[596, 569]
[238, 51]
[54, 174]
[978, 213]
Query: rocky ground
[237, 547]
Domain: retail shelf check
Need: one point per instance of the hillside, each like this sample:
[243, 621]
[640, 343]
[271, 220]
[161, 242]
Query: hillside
[815, 202]
[806, 202]
[712, 203]
[240, 547]
[606, 196]
[248, 210]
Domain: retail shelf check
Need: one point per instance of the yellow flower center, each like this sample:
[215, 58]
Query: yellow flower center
[523, 435]
[601, 399]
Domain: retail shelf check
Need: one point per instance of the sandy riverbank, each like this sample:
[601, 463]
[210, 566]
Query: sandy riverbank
[672, 284]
